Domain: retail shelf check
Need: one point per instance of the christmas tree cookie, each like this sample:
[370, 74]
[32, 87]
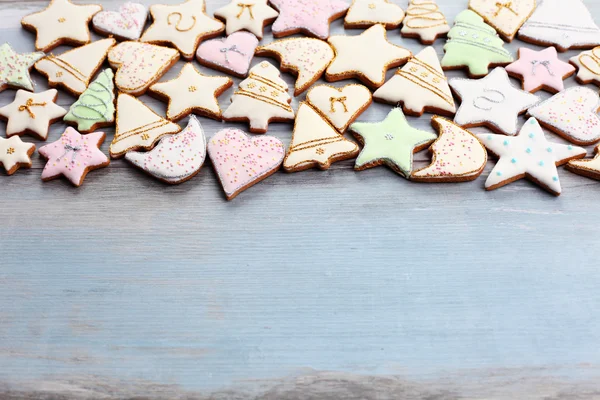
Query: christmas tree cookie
[424, 21]
[95, 107]
[505, 16]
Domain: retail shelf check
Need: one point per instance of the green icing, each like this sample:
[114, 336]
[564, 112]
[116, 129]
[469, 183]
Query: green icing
[392, 141]
[14, 67]
[96, 104]
[474, 44]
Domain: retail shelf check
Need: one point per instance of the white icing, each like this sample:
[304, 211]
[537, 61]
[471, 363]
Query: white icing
[371, 12]
[250, 15]
[424, 19]
[589, 168]
[340, 106]
[506, 16]
[127, 23]
[15, 152]
[588, 66]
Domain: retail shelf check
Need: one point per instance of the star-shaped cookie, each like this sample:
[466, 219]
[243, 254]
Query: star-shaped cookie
[61, 22]
[310, 17]
[250, 15]
[528, 155]
[589, 168]
[182, 26]
[32, 113]
[14, 154]
[391, 142]
[366, 57]
[192, 92]
[540, 70]
[588, 66]
[15, 67]
[491, 101]
[366, 13]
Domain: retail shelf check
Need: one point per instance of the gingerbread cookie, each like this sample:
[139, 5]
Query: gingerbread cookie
[492, 102]
[182, 26]
[62, 22]
[589, 168]
[506, 17]
[176, 158]
[528, 155]
[563, 24]
[571, 114]
[241, 162]
[365, 57]
[138, 127]
[420, 86]
[139, 65]
[125, 24]
[391, 142]
[540, 70]
[15, 67]
[474, 45]
[306, 57]
[458, 156]
[32, 113]
[249, 15]
[316, 143]
[73, 156]
[74, 69]
[14, 154]
[424, 21]
[232, 55]
[95, 107]
[340, 106]
[588, 66]
[192, 92]
[310, 17]
[260, 99]
[366, 13]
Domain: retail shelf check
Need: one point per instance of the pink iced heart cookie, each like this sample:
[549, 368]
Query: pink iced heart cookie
[125, 24]
[231, 55]
[241, 161]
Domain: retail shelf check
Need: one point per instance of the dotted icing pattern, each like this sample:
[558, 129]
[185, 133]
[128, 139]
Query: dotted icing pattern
[127, 23]
[14, 68]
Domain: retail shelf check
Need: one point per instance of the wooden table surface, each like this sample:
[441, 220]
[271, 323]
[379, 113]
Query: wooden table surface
[312, 285]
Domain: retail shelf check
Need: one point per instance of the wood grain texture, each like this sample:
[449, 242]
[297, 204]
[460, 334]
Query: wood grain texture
[313, 285]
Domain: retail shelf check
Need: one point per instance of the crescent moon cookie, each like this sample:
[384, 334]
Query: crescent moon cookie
[261, 99]
[540, 70]
[424, 21]
[73, 156]
[32, 113]
[62, 22]
[182, 26]
[563, 24]
[528, 155]
[249, 15]
[365, 57]
[571, 114]
[310, 17]
[474, 45]
[391, 142]
[15, 67]
[506, 16]
[241, 161]
[95, 107]
[420, 86]
[125, 24]
[231, 55]
[340, 106]
[14, 154]
[176, 158]
[589, 168]
[74, 69]
[588, 66]
[492, 102]
[458, 156]
[138, 127]
[366, 13]
[139, 65]
[192, 92]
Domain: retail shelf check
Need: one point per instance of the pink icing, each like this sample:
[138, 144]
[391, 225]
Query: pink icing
[540, 68]
[233, 53]
[243, 161]
[310, 15]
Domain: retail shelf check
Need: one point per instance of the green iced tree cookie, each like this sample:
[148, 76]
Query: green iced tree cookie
[95, 107]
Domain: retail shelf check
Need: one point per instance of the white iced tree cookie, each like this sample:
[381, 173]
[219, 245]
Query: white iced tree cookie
[424, 21]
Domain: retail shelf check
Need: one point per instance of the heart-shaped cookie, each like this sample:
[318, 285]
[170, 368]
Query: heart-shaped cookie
[506, 16]
[340, 106]
[571, 114]
[125, 24]
[231, 55]
[241, 161]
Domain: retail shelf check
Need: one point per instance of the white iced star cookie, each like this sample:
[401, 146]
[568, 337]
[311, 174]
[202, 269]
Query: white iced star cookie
[424, 21]
[182, 26]
[249, 15]
[365, 57]
[504, 16]
[589, 168]
[366, 13]
[14, 154]
[192, 92]
[32, 113]
[62, 22]
[340, 106]
[15, 67]
[420, 86]
[492, 101]
[528, 155]
[588, 66]
[125, 24]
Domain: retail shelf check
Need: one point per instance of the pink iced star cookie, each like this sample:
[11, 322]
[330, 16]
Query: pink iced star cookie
[540, 70]
[311, 17]
[73, 156]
